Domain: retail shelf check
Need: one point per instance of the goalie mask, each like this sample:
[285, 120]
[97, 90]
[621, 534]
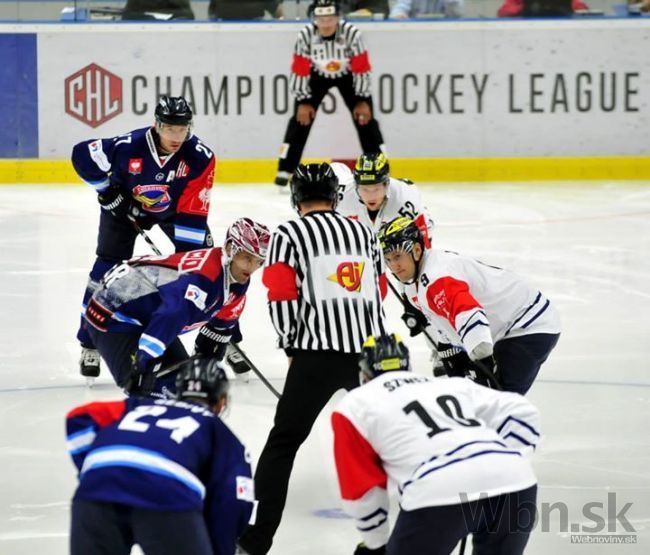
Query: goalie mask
[248, 236]
[381, 354]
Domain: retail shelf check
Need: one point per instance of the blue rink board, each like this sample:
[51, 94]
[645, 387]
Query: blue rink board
[18, 96]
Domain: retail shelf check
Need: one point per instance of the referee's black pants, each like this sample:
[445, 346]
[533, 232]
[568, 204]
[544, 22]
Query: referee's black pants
[296, 134]
[313, 377]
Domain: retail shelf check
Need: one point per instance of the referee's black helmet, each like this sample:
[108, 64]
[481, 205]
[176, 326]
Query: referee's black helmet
[314, 182]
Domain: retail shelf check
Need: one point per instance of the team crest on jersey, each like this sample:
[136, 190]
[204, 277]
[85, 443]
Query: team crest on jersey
[440, 302]
[183, 169]
[135, 166]
[160, 176]
[154, 198]
[333, 66]
[348, 275]
[196, 295]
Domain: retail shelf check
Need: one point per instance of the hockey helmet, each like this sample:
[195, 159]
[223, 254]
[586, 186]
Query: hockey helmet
[382, 353]
[202, 378]
[248, 236]
[400, 234]
[324, 7]
[173, 110]
[314, 182]
[371, 168]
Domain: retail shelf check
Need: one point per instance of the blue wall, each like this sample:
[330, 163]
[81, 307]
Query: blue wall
[18, 96]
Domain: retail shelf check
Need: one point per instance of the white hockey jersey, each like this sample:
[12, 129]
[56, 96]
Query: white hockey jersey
[470, 302]
[402, 199]
[442, 442]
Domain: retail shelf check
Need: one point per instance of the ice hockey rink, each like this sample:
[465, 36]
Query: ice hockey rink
[585, 245]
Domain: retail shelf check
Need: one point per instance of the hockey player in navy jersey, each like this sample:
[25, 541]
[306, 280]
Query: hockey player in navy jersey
[141, 307]
[155, 175]
[457, 452]
[484, 316]
[167, 475]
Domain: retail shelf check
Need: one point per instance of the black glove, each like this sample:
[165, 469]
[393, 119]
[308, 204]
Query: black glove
[481, 377]
[415, 321]
[455, 360]
[212, 341]
[114, 201]
[363, 550]
[236, 361]
[142, 378]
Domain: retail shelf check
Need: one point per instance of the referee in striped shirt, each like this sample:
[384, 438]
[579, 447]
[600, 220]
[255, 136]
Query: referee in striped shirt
[328, 53]
[325, 288]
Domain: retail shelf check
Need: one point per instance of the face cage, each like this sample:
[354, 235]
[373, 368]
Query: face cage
[190, 126]
[235, 248]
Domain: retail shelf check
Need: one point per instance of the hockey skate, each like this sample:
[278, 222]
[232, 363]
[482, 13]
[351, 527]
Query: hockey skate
[89, 364]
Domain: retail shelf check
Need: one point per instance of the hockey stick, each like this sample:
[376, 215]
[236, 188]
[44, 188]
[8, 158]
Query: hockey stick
[255, 370]
[144, 235]
[487, 373]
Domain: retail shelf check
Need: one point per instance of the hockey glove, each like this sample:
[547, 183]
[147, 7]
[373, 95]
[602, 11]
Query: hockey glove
[113, 200]
[455, 360]
[415, 321]
[481, 371]
[363, 550]
[212, 341]
[236, 361]
[142, 378]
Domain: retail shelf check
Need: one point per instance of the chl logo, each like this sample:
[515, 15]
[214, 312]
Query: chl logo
[348, 275]
[93, 95]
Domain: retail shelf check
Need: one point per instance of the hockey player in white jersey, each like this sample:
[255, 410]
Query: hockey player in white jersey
[371, 196]
[490, 317]
[457, 452]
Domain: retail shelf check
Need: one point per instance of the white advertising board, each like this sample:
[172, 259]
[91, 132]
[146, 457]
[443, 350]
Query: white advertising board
[473, 89]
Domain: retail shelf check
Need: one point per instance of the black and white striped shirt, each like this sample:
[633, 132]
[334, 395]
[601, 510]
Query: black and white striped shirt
[330, 58]
[323, 273]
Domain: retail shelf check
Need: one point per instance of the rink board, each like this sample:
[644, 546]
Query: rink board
[455, 100]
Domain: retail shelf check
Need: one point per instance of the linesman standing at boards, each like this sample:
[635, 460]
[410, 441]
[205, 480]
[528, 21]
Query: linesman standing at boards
[325, 286]
[328, 53]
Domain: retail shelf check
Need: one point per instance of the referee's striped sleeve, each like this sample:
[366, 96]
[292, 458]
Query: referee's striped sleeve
[280, 278]
[299, 79]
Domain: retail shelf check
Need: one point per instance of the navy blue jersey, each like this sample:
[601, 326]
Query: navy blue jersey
[164, 188]
[163, 455]
[164, 296]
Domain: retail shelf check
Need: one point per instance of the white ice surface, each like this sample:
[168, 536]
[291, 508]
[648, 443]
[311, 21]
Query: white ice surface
[585, 245]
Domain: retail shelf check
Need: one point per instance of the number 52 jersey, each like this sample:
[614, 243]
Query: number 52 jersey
[402, 199]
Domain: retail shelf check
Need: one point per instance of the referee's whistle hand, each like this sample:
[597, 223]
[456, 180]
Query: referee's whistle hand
[305, 114]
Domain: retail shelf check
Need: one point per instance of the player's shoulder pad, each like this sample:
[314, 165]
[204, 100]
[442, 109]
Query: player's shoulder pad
[132, 141]
[195, 149]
